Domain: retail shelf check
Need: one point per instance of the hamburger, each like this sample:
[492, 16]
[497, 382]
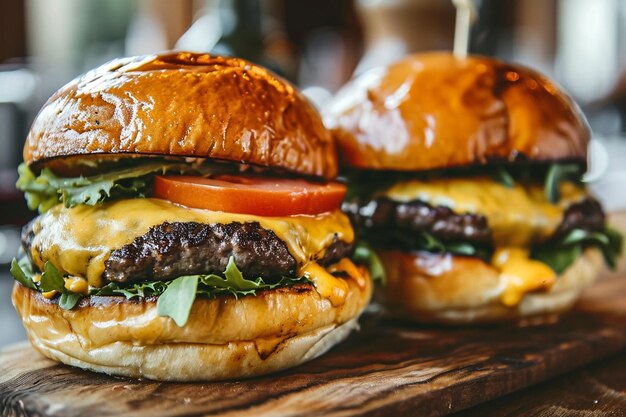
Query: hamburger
[189, 224]
[465, 178]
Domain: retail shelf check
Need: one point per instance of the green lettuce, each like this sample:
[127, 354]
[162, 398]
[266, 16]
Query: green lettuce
[175, 297]
[560, 254]
[424, 241]
[51, 280]
[557, 173]
[364, 254]
[178, 297]
[47, 190]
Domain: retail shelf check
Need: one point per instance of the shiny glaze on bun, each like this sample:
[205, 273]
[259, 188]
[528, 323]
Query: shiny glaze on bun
[433, 110]
[184, 104]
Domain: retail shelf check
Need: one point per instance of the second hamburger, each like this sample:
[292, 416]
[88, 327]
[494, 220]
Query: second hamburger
[466, 178]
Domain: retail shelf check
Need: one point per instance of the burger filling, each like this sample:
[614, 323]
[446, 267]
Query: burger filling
[97, 239]
[533, 224]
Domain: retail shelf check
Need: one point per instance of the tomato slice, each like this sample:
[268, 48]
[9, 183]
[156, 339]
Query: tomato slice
[249, 194]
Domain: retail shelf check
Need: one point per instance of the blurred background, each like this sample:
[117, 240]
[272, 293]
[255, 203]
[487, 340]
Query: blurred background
[318, 45]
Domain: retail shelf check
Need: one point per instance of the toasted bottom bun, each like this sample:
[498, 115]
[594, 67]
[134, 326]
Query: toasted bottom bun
[224, 338]
[443, 288]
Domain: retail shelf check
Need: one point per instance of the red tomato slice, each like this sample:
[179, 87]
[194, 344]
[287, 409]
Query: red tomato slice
[248, 194]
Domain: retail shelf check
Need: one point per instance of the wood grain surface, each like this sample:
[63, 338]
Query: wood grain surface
[387, 368]
[597, 390]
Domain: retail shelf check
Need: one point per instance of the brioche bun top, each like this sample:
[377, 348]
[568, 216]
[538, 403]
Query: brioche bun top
[433, 110]
[188, 105]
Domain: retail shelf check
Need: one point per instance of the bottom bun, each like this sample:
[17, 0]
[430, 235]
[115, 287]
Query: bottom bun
[443, 288]
[224, 338]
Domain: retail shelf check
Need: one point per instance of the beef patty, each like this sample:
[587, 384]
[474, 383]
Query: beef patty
[170, 250]
[382, 217]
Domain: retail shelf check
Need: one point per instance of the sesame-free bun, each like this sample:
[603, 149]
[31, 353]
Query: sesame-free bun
[183, 104]
[443, 288]
[224, 338]
[433, 110]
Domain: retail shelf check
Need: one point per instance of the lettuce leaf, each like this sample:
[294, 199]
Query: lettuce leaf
[133, 290]
[501, 175]
[46, 190]
[51, 280]
[556, 174]
[23, 273]
[175, 297]
[364, 254]
[424, 241]
[560, 254]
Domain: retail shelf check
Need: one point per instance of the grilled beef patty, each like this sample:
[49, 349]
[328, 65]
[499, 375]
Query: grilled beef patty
[381, 217]
[170, 250]
[586, 214]
[383, 214]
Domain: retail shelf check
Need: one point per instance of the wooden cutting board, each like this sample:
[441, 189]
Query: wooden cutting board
[388, 368]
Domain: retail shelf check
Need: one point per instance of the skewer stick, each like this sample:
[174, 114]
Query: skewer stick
[465, 16]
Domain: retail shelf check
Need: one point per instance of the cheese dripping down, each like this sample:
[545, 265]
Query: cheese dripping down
[334, 289]
[521, 274]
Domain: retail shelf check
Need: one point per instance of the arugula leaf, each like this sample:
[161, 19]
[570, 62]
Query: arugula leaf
[363, 253]
[177, 299]
[69, 300]
[559, 258]
[23, 275]
[51, 279]
[557, 173]
[135, 290]
[461, 248]
[501, 175]
[560, 254]
[423, 241]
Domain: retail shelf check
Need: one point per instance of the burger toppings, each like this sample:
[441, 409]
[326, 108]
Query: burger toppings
[528, 228]
[238, 233]
[519, 215]
[73, 239]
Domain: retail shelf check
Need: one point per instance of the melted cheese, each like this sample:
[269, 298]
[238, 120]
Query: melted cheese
[521, 274]
[518, 216]
[77, 285]
[345, 265]
[79, 240]
[332, 288]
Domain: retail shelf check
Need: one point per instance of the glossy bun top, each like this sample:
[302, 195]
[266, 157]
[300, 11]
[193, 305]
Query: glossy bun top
[433, 110]
[184, 104]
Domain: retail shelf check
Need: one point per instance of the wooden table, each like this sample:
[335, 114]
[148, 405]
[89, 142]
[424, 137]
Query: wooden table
[388, 368]
[596, 390]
